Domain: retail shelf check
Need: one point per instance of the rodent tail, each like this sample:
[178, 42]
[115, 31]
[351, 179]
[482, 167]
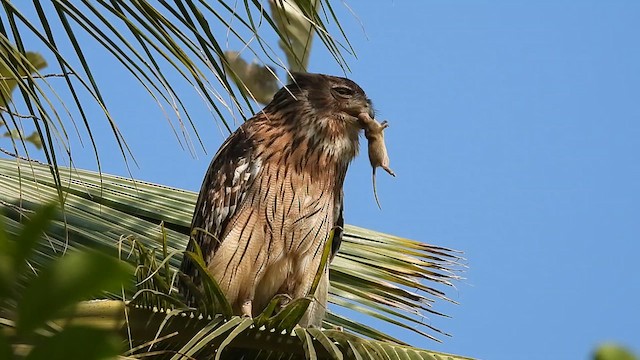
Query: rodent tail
[375, 191]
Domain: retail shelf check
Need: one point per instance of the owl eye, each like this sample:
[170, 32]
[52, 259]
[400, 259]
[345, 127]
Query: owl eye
[342, 91]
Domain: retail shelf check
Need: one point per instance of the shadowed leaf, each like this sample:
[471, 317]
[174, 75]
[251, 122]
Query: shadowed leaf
[74, 277]
[256, 81]
[15, 67]
[100, 211]
[78, 343]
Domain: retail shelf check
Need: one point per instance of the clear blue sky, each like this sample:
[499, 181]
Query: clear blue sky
[515, 134]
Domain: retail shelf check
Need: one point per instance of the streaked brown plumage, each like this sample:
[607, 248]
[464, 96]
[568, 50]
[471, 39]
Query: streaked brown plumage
[273, 193]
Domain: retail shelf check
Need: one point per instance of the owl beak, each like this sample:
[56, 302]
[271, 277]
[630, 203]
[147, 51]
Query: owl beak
[361, 106]
[370, 109]
[365, 107]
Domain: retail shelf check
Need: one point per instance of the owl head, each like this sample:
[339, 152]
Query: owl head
[323, 96]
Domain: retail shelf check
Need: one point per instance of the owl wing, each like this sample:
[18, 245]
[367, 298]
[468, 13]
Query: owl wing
[225, 186]
[338, 225]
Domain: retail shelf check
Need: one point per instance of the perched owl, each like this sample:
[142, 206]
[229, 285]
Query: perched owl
[273, 193]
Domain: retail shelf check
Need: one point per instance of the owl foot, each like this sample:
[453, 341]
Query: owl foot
[246, 309]
[285, 299]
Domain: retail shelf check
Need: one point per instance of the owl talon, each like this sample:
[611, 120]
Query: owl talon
[246, 309]
[285, 300]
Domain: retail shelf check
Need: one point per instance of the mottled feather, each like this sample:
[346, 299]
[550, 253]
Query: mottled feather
[273, 193]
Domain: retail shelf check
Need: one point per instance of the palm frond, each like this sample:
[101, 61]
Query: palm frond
[162, 46]
[172, 335]
[390, 278]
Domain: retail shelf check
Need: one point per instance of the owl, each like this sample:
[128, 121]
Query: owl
[273, 193]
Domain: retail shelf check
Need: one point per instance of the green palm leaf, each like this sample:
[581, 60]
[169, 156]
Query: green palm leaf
[390, 278]
[161, 46]
[204, 338]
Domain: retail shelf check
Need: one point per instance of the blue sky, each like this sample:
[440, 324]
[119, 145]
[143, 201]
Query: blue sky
[515, 134]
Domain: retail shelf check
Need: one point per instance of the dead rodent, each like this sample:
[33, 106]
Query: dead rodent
[378, 157]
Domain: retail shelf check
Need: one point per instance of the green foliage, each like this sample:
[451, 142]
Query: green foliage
[31, 300]
[158, 323]
[253, 79]
[173, 51]
[613, 352]
[17, 68]
[295, 29]
[40, 283]
[14, 67]
[14, 252]
[175, 336]
[78, 342]
[68, 280]
[148, 225]
[390, 278]
[212, 300]
[260, 82]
